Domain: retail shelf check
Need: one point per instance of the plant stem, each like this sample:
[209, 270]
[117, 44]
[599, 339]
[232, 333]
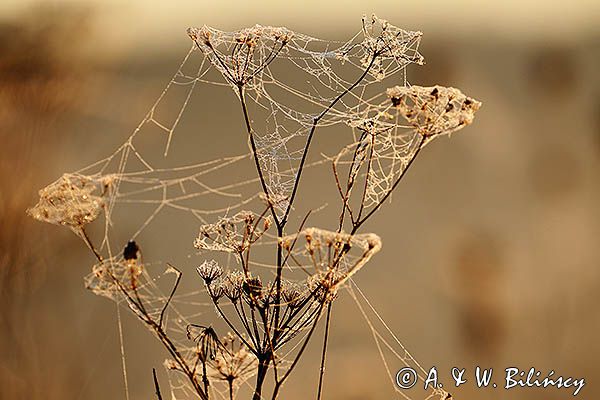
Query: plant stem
[278, 284]
[263, 367]
[312, 131]
[324, 354]
[255, 153]
[297, 358]
[89, 244]
[156, 386]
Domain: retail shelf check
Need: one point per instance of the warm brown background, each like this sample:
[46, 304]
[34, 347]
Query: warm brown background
[491, 252]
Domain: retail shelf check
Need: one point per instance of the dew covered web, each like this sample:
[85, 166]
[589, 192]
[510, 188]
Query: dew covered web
[287, 86]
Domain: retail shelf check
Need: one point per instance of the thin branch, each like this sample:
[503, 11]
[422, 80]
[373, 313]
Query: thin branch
[297, 358]
[89, 244]
[177, 280]
[385, 197]
[156, 386]
[368, 172]
[222, 314]
[312, 131]
[324, 353]
[255, 152]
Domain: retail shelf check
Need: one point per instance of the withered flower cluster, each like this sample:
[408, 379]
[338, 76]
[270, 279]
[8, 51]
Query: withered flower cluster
[110, 277]
[255, 305]
[267, 316]
[232, 234]
[217, 360]
[434, 110]
[74, 201]
[240, 56]
[383, 41]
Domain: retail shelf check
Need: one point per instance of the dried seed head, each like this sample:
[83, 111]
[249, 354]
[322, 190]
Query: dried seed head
[323, 285]
[230, 285]
[236, 278]
[232, 292]
[383, 40]
[252, 287]
[242, 54]
[73, 200]
[232, 234]
[233, 361]
[217, 289]
[293, 294]
[433, 110]
[206, 340]
[111, 276]
[200, 35]
[338, 253]
[209, 271]
[131, 251]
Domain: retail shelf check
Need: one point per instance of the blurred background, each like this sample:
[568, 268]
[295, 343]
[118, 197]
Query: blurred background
[492, 240]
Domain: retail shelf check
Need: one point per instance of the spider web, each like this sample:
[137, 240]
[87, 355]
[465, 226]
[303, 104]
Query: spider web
[253, 62]
[287, 84]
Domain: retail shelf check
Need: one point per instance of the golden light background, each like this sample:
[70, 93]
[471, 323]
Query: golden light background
[490, 253]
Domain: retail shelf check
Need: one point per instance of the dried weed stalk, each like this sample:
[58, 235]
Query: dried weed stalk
[272, 319]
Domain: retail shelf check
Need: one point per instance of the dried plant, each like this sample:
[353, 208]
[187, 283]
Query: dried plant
[271, 316]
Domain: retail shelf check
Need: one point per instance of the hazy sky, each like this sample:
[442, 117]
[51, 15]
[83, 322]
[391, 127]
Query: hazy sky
[145, 24]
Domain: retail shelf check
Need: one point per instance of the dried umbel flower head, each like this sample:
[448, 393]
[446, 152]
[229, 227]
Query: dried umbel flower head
[228, 285]
[131, 252]
[233, 362]
[385, 145]
[232, 285]
[383, 41]
[232, 234]
[324, 285]
[235, 285]
[242, 54]
[74, 201]
[338, 253]
[209, 271]
[252, 288]
[110, 277]
[206, 340]
[293, 294]
[217, 289]
[434, 110]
